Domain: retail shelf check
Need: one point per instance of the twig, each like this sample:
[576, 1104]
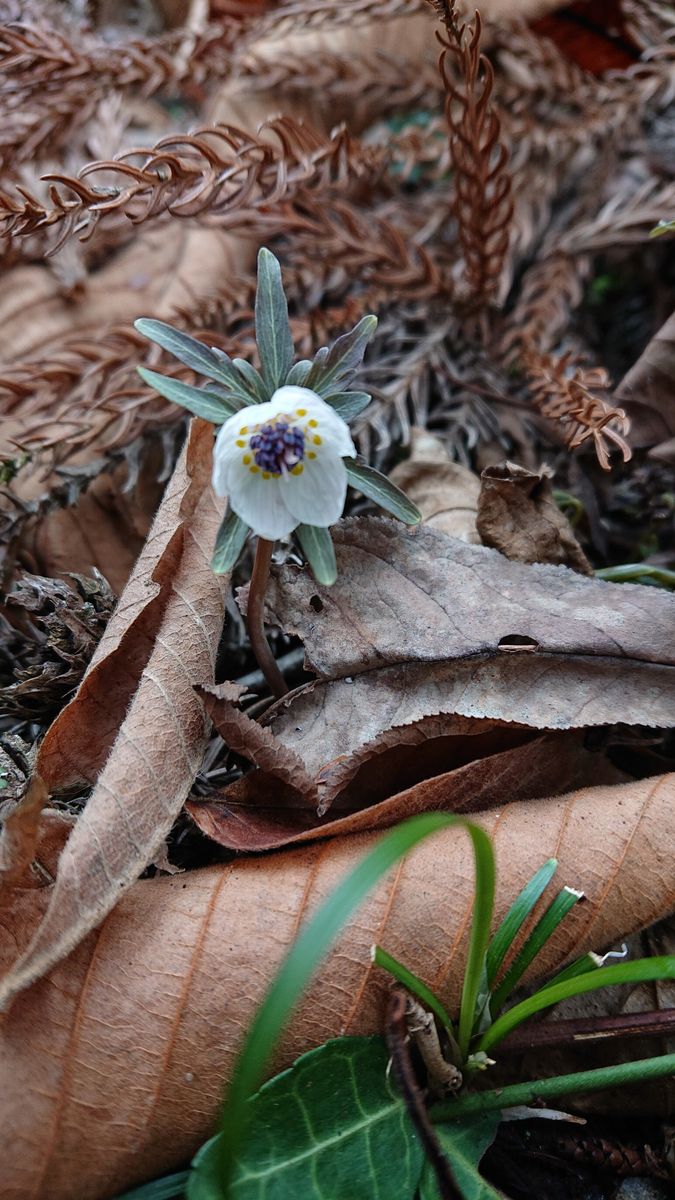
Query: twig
[255, 618]
[591, 1029]
[398, 1044]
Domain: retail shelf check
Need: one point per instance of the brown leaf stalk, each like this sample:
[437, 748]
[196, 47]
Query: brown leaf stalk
[255, 618]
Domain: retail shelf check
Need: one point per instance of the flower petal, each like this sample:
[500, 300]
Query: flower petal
[260, 503]
[317, 495]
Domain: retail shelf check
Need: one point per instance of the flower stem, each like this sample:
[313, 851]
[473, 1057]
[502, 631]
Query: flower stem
[255, 618]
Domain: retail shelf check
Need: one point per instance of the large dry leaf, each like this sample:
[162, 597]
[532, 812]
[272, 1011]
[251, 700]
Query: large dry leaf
[647, 392]
[373, 788]
[135, 727]
[459, 628]
[111, 1069]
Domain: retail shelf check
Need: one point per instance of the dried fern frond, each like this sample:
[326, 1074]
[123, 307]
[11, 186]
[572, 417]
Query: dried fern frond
[626, 219]
[303, 15]
[567, 393]
[482, 202]
[218, 174]
[551, 289]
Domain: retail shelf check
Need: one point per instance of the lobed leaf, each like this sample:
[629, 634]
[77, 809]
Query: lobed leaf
[380, 489]
[317, 546]
[202, 403]
[272, 330]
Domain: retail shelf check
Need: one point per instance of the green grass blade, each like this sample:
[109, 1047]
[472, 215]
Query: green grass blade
[380, 489]
[171, 1187]
[229, 543]
[382, 958]
[516, 916]
[545, 927]
[643, 970]
[317, 546]
[481, 923]
[201, 402]
[299, 965]
[272, 330]
[585, 964]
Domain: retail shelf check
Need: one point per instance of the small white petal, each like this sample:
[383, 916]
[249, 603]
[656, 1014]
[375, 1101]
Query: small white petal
[227, 454]
[260, 503]
[317, 495]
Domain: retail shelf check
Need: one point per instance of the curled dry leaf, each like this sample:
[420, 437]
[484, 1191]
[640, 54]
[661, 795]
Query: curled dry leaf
[647, 393]
[538, 645]
[135, 728]
[445, 492]
[518, 516]
[181, 964]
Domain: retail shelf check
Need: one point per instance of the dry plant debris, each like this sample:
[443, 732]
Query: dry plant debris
[495, 215]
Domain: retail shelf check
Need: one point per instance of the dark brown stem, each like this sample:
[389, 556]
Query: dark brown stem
[255, 618]
[658, 1023]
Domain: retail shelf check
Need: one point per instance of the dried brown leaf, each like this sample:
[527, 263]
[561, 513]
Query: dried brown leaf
[438, 763]
[445, 492]
[135, 729]
[182, 963]
[540, 645]
[647, 392]
[518, 516]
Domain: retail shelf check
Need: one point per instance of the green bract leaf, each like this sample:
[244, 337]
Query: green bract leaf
[215, 364]
[313, 942]
[641, 971]
[380, 489]
[258, 391]
[545, 927]
[348, 404]
[199, 401]
[317, 546]
[329, 1128]
[299, 372]
[518, 913]
[334, 366]
[171, 1187]
[464, 1144]
[272, 330]
[481, 921]
[661, 228]
[229, 543]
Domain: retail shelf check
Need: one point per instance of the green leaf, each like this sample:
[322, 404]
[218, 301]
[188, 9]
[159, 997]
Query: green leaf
[380, 489]
[171, 1187]
[299, 372]
[317, 546]
[662, 227]
[381, 958]
[348, 404]
[199, 401]
[215, 364]
[337, 364]
[258, 391]
[272, 330]
[543, 930]
[464, 1144]
[642, 971]
[229, 543]
[518, 913]
[329, 1128]
[300, 963]
[481, 922]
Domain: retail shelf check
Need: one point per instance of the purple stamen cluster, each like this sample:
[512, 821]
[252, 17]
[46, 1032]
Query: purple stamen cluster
[278, 447]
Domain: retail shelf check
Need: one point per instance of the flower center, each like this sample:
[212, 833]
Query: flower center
[278, 446]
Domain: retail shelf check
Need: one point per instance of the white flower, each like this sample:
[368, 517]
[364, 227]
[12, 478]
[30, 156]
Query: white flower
[280, 463]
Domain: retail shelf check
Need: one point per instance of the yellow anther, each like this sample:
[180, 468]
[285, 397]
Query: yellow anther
[254, 470]
[301, 412]
[312, 424]
[266, 475]
[311, 454]
[241, 442]
[246, 459]
[317, 440]
[297, 470]
[244, 429]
